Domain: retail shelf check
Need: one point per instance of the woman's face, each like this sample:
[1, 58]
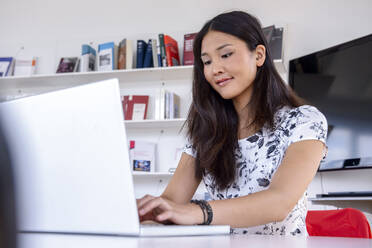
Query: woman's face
[229, 66]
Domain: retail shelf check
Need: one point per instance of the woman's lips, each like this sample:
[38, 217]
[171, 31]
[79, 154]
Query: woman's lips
[224, 81]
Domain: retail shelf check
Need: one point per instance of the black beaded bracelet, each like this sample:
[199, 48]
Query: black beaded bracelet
[206, 209]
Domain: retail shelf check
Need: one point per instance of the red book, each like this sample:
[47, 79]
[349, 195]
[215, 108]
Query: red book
[171, 50]
[188, 45]
[135, 107]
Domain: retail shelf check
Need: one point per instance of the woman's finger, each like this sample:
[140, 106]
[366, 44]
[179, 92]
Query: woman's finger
[153, 204]
[166, 215]
[142, 201]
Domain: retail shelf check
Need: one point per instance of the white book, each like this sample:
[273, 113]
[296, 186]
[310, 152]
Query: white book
[142, 155]
[107, 56]
[154, 52]
[167, 105]
[87, 62]
[160, 104]
[129, 55]
[174, 106]
[25, 67]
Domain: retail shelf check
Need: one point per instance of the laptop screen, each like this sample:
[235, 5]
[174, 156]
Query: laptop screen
[71, 162]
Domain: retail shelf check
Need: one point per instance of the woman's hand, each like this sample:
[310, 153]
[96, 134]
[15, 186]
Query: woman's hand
[165, 211]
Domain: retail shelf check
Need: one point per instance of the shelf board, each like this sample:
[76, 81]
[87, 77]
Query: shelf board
[155, 123]
[151, 174]
[361, 203]
[324, 199]
[64, 80]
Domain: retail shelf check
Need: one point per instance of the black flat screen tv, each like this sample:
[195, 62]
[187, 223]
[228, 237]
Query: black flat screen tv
[338, 81]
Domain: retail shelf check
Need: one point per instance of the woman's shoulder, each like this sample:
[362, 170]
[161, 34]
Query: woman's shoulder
[298, 114]
[300, 123]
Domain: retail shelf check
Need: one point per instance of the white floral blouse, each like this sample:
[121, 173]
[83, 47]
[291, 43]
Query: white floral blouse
[259, 156]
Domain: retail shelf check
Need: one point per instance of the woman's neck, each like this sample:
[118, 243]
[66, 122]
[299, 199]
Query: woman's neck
[245, 128]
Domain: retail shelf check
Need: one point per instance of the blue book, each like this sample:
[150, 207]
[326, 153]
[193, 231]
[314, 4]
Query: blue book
[159, 56]
[86, 49]
[148, 61]
[88, 58]
[107, 56]
[6, 66]
[141, 50]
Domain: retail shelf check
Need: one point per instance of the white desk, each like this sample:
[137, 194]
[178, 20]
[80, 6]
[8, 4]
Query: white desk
[233, 241]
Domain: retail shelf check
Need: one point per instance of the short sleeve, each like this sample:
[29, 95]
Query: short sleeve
[306, 123]
[189, 149]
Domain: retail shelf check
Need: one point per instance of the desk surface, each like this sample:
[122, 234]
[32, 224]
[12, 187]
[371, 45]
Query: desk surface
[233, 241]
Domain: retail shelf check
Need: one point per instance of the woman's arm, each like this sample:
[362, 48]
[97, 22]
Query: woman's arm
[290, 181]
[176, 196]
[183, 183]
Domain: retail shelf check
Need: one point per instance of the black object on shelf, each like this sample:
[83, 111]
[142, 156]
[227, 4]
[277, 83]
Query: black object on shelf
[346, 194]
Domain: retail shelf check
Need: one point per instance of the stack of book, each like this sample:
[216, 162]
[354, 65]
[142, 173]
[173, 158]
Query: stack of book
[164, 51]
[274, 38]
[167, 105]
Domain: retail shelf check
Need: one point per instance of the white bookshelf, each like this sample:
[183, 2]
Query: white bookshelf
[361, 203]
[167, 123]
[151, 174]
[146, 81]
[35, 84]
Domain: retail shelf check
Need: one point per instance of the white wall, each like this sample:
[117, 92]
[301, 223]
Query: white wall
[51, 29]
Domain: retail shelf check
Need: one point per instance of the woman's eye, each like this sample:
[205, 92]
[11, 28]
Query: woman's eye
[227, 55]
[207, 62]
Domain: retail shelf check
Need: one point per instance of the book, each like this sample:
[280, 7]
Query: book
[122, 54]
[142, 155]
[159, 56]
[160, 105]
[107, 56]
[68, 64]
[141, 50]
[6, 66]
[174, 106]
[155, 53]
[167, 105]
[188, 45]
[88, 58]
[276, 44]
[24, 66]
[268, 33]
[171, 50]
[129, 55]
[135, 106]
[147, 61]
[162, 51]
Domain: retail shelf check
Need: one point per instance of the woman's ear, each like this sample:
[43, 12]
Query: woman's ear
[260, 55]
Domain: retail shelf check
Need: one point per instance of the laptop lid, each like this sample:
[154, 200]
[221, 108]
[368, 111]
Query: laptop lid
[71, 162]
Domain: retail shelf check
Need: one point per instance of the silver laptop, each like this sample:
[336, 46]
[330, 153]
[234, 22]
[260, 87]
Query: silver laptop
[69, 150]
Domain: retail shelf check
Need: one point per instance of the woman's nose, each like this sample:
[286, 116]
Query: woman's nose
[217, 68]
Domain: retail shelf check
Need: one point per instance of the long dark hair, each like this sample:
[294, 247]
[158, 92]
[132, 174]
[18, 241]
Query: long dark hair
[212, 121]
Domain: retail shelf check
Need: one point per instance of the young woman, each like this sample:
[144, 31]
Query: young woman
[251, 141]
